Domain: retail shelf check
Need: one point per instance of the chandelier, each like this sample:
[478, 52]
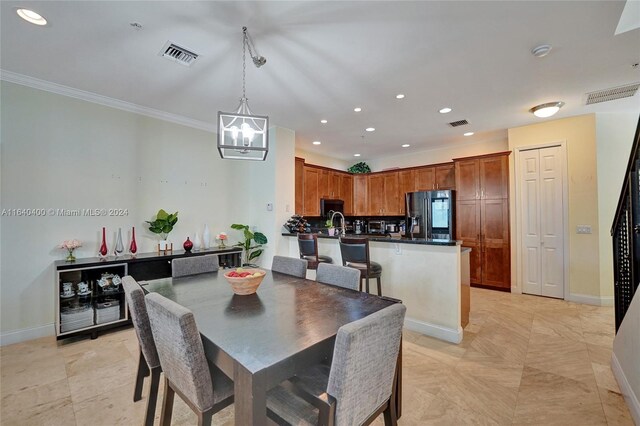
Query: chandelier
[243, 135]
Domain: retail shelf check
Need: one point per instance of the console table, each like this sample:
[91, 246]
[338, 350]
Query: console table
[96, 309]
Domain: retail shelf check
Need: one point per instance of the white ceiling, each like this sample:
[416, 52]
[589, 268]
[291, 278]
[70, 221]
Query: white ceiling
[325, 58]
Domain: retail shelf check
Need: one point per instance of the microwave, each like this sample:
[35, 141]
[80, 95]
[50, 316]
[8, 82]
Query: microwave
[376, 227]
[327, 206]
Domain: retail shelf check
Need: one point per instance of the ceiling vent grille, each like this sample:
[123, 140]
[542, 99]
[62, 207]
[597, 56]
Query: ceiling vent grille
[178, 54]
[458, 123]
[612, 94]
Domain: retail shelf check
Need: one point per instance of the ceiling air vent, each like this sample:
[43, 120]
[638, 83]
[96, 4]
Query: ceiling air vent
[458, 123]
[612, 94]
[178, 54]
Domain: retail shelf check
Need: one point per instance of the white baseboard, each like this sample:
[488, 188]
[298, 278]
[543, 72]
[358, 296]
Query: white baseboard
[629, 396]
[590, 300]
[433, 330]
[17, 336]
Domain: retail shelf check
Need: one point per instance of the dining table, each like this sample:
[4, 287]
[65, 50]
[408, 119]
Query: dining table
[261, 339]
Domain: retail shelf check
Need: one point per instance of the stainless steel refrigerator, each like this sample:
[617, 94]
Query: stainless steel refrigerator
[430, 214]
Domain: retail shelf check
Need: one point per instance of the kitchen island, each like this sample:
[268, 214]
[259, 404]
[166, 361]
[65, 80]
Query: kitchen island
[431, 277]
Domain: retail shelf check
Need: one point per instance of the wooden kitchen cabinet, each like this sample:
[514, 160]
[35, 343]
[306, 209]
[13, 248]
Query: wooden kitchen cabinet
[376, 195]
[311, 194]
[425, 178]
[406, 183]
[383, 195]
[391, 206]
[299, 189]
[346, 192]
[324, 191]
[445, 176]
[482, 217]
[360, 195]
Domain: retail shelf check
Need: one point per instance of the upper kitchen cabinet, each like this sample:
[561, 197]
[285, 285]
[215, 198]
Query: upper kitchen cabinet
[346, 192]
[383, 199]
[425, 179]
[360, 195]
[467, 179]
[311, 194]
[299, 189]
[494, 177]
[445, 176]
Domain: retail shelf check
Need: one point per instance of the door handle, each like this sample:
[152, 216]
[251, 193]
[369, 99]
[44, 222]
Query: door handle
[636, 229]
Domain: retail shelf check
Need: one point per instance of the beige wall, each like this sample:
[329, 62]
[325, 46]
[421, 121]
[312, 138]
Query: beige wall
[438, 155]
[60, 152]
[323, 160]
[579, 133]
[614, 138]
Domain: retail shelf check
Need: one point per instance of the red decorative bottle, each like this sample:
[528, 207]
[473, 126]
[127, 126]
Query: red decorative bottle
[103, 246]
[133, 248]
[188, 245]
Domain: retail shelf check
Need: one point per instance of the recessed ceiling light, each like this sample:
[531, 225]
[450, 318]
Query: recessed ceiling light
[546, 110]
[356, 155]
[469, 134]
[323, 121]
[445, 110]
[540, 51]
[317, 142]
[399, 96]
[31, 16]
[370, 129]
[406, 145]
[357, 109]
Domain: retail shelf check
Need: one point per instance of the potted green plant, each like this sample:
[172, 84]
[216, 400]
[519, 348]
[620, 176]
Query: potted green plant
[360, 167]
[252, 244]
[163, 225]
[330, 228]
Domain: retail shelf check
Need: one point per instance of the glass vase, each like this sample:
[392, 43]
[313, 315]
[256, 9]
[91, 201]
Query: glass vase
[70, 256]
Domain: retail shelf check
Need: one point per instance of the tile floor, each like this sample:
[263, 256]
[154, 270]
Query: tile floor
[523, 360]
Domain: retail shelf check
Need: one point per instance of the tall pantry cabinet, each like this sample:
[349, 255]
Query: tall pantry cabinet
[482, 217]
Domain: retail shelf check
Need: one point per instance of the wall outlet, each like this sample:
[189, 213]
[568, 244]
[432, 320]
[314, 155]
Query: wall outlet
[269, 207]
[398, 248]
[583, 229]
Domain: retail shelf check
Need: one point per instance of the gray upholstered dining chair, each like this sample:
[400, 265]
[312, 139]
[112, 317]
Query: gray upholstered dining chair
[192, 265]
[203, 387]
[149, 363]
[308, 245]
[355, 254]
[341, 276]
[289, 266]
[359, 385]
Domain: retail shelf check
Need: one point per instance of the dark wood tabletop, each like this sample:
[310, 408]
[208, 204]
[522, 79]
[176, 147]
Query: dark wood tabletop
[262, 339]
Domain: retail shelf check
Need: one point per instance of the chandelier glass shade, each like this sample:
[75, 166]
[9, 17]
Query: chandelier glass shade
[243, 135]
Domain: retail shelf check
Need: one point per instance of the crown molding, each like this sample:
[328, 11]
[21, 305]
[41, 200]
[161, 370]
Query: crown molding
[59, 89]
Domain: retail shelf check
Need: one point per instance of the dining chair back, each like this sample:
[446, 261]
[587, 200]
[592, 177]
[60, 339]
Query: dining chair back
[364, 364]
[148, 363]
[308, 245]
[184, 363]
[355, 254]
[192, 265]
[290, 266]
[337, 275]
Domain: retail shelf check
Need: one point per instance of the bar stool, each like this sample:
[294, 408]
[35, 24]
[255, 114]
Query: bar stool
[308, 245]
[355, 254]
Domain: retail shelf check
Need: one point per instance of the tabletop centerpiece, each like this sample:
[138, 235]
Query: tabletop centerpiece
[70, 246]
[221, 237]
[162, 225]
[245, 281]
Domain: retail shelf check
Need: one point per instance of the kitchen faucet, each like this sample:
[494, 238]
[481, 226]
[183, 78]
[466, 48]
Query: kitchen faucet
[342, 227]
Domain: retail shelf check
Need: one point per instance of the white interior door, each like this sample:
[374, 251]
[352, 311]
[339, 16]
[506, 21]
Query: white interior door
[541, 207]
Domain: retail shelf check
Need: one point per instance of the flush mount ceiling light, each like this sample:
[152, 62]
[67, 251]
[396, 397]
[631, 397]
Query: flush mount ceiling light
[357, 109]
[31, 16]
[323, 121]
[468, 134]
[445, 110]
[546, 110]
[400, 96]
[370, 129]
[406, 145]
[317, 142]
[243, 135]
[540, 51]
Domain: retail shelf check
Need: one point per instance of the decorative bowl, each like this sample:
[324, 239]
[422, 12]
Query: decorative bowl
[243, 286]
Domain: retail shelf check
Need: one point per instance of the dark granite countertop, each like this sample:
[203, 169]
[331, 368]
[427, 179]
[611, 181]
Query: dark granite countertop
[389, 239]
